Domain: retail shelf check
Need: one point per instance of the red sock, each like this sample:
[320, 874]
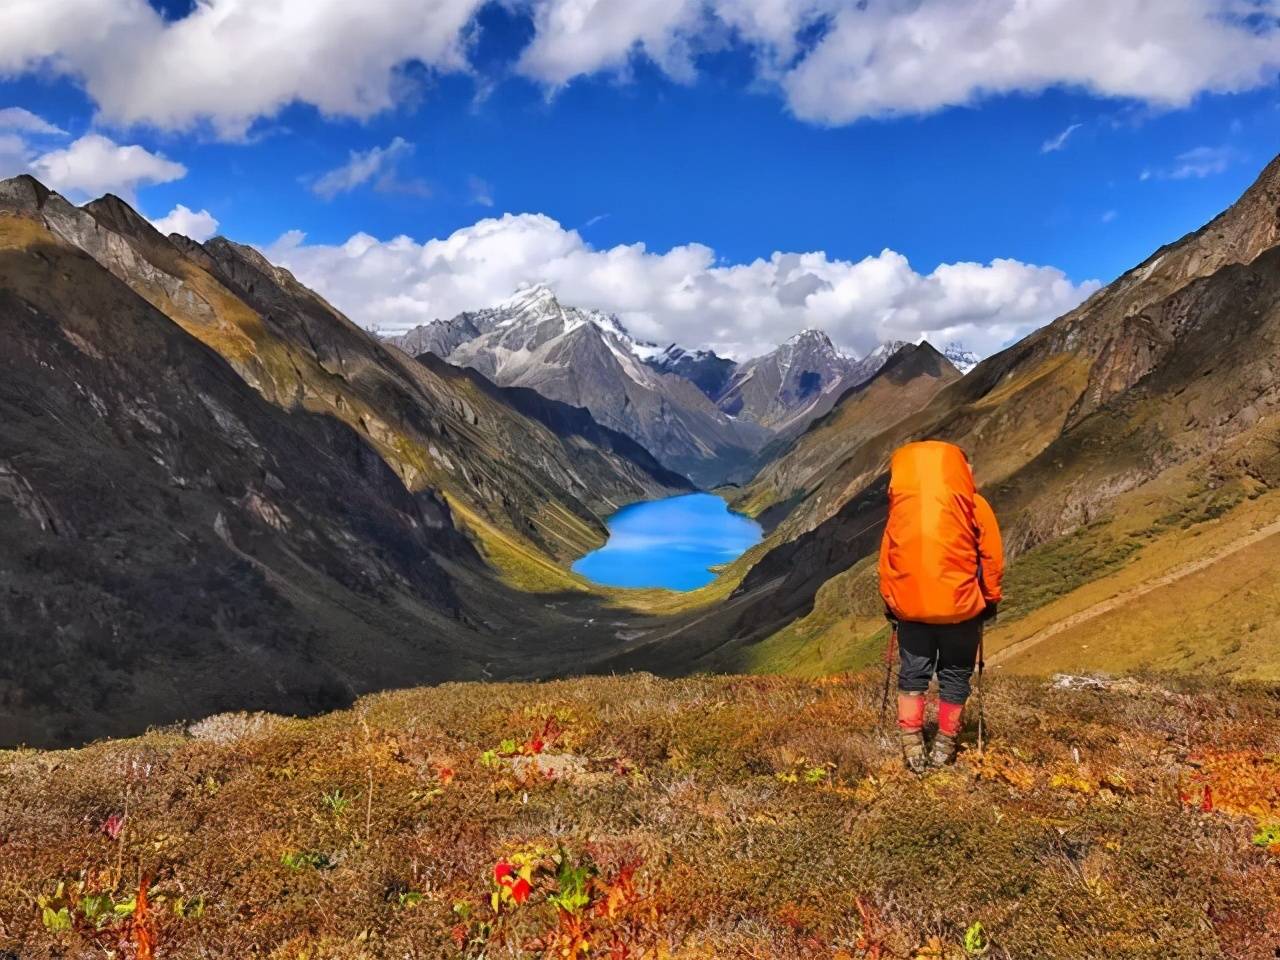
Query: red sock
[949, 715]
[910, 711]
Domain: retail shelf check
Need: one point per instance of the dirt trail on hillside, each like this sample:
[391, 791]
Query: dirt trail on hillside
[1106, 606]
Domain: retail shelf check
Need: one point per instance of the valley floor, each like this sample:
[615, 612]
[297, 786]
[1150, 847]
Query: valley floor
[632, 817]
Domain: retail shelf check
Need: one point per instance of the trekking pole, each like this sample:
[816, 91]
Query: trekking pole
[981, 663]
[890, 651]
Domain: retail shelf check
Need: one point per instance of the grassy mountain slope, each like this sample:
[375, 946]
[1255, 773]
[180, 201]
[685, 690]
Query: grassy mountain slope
[435, 429]
[708, 817]
[1156, 584]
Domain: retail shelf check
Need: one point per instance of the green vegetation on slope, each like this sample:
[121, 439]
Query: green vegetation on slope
[1175, 520]
[1215, 621]
[702, 818]
[1056, 568]
[845, 631]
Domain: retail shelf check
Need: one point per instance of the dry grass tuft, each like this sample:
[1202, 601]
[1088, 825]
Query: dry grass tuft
[228, 728]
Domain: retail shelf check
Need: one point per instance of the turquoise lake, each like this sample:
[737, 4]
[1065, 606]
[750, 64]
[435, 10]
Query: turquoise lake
[669, 543]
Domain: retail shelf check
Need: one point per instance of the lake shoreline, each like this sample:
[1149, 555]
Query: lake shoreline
[675, 543]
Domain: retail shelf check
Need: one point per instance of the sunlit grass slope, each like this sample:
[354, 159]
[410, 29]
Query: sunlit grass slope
[1221, 618]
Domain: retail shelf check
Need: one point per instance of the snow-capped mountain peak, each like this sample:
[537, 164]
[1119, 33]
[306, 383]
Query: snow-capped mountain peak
[538, 304]
[528, 297]
[588, 358]
[885, 350]
[812, 339]
[961, 358]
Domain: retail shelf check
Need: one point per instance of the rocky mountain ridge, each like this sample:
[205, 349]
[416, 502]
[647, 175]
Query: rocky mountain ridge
[789, 387]
[588, 358]
[707, 371]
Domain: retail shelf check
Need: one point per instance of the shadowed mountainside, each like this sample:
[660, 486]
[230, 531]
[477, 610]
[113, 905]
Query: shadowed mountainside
[218, 492]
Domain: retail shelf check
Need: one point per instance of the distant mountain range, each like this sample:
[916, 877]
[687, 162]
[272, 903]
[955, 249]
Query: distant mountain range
[712, 433]
[588, 359]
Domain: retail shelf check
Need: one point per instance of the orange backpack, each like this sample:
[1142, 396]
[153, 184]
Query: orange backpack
[941, 559]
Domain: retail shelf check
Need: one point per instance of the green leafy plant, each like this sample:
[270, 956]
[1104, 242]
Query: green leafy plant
[1268, 835]
[55, 921]
[71, 907]
[975, 940]
[336, 801]
[189, 908]
[56, 911]
[573, 884]
[302, 859]
[816, 774]
[97, 908]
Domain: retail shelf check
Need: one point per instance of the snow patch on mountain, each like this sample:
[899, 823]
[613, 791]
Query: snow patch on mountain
[961, 358]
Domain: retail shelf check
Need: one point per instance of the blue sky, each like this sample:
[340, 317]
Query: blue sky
[709, 133]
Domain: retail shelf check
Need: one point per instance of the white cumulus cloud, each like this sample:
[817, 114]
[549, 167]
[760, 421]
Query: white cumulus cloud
[685, 294]
[894, 57]
[94, 165]
[576, 37]
[887, 58]
[198, 225]
[230, 62]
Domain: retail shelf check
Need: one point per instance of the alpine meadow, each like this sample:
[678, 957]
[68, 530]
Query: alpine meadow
[677, 480]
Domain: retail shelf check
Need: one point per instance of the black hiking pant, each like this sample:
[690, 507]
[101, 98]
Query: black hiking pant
[948, 649]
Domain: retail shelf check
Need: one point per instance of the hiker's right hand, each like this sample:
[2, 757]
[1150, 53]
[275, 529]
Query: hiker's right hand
[890, 615]
[989, 612]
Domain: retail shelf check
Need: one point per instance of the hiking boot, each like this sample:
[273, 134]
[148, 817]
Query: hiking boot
[913, 754]
[944, 750]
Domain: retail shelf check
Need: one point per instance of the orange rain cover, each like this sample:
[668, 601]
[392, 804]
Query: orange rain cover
[940, 559]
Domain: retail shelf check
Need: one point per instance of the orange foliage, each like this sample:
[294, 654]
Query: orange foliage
[1242, 782]
[140, 928]
[871, 938]
[997, 764]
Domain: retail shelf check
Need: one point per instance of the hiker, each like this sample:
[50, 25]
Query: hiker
[940, 568]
